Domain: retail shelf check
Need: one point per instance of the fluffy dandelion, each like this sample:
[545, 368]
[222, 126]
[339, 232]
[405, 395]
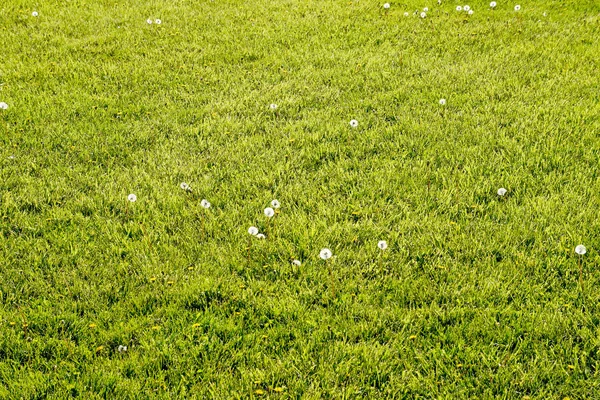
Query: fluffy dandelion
[273, 106]
[157, 21]
[442, 102]
[467, 8]
[34, 14]
[502, 192]
[325, 254]
[426, 9]
[406, 14]
[386, 6]
[493, 4]
[149, 21]
[275, 204]
[545, 14]
[382, 244]
[3, 106]
[458, 8]
[354, 123]
[269, 212]
[205, 203]
[517, 7]
[423, 15]
[260, 236]
[580, 249]
[297, 263]
[122, 349]
[184, 186]
[253, 230]
[132, 198]
[470, 12]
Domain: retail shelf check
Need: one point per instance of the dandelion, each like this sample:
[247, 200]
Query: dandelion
[545, 14]
[581, 250]
[184, 186]
[354, 123]
[470, 12]
[406, 14]
[502, 192]
[34, 14]
[275, 204]
[157, 21]
[3, 106]
[467, 8]
[297, 263]
[442, 102]
[493, 4]
[149, 21]
[132, 198]
[382, 244]
[122, 349]
[458, 8]
[517, 7]
[260, 236]
[423, 15]
[253, 230]
[426, 9]
[269, 212]
[273, 107]
[386, 6]
[205, 203]
[325, 254]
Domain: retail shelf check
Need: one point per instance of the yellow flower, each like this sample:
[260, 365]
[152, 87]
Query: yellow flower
[196, 325]
[259, 392]
[278, 389]
[99, 349]
[11, 323]
[170, 282]
[412, 337]
[152, 279]
[92, 325]
[155, 327]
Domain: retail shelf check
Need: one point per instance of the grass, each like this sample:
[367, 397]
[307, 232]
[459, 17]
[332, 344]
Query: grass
[477, 296]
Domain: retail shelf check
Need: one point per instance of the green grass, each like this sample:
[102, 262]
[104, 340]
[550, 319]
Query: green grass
[476, 297]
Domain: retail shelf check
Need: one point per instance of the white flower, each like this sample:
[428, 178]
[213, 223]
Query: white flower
[3, 106]
[458, 8]
[325, 254]
[158, 21]
[149, 21]
[545, 13]
[11, 157]
[442, 102]
[253, 230]
[382, 244]
[184, 186]
[581, 250]
[35, 14]
[122, 348]
[260, 236]
[273, 106]
[423, 15]
[297, 263]
[517, 7]
[406, 14]
[470, 12]
[502, 192]
[275, 204]
[132, 197]
[269, 212]
[386, 6]
[426, 9]
[466, 8]
[205, 203]
[493, 4]
[354, 123]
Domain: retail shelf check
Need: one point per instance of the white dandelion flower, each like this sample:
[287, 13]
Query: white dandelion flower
[132, 197]
[470, 12]
[184, 186]
[517, 7]
[275, 204]
[325, 254]
[493, 4]
[273, 106]
[354, 123]
[34, 14]
[122, 349]
[406, 14]
[3, 106]
[149, 21]
[423, 15]
[386, 6]
[426, 9]
[466, 8]
[297, 263]
[157, 21]
[382, 244]
[260, 236]
[205, 203]
[580, 249]
[502, 192]
[269, 212]
[253, 230]
[442, 102]
[458, 8]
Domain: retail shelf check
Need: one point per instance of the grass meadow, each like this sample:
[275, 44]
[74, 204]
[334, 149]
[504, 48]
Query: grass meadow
[477, 295]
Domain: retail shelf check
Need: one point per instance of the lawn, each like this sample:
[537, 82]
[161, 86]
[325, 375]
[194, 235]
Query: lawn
[478, 295]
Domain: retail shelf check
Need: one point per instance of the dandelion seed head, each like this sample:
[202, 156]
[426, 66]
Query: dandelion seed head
[517, 7]
[149, 21]
[275, 204]
[354, 123]
[325, 254]
[260, 236]
[184, 186]
[34, 14]
[442, 102]
[122, 348]
[458, 8]
[386, 6]
[157, 21]
[466, 8]
[580, 249]
[423, 15]
[205, 203]
[273, 106]
[253, 230]
[426, 9]
[406, 14]
[269, 212]
[493, 4]
[382, 244]
[502, 192]
[132, 197]
[3, 106]
[470, 12]
[297, 263]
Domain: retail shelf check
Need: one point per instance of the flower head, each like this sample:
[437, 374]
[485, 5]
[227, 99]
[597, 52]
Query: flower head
[354, 123]
[517, 7]
[122, 348]
[273, 106]
[34, 14]
[132, 197]
[423, 15]
[470, 12]
[205, 203]
[157, 21]
[502, 192]
[260, 236]
[493, 4]
[386, 6]
[458, 8]
[382, 244]
[442, 102]
[149, 21]
[253, 230]
[467, 8]
[580, 249]
[406, 14]
[275, 204]
[3, 106]
[325, 254]
[269, 212]
[297, 263]
[426, 9]
[184, 186]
